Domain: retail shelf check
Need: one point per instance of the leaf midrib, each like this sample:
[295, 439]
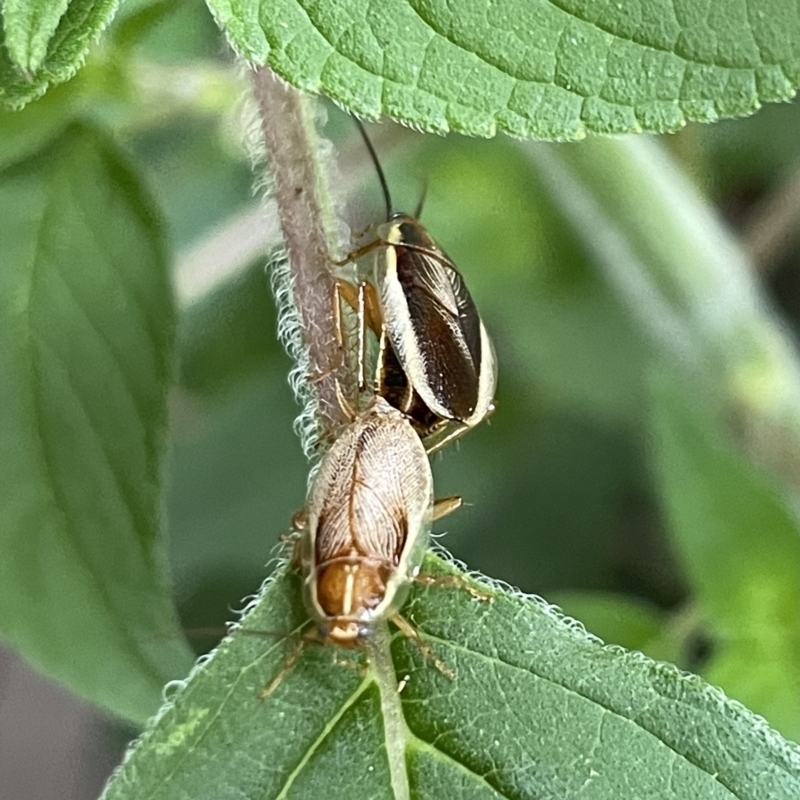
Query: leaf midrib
[45, 467]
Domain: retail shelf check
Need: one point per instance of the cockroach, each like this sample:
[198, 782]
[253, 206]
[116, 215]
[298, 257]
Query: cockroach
[436, 360]
[364, 530]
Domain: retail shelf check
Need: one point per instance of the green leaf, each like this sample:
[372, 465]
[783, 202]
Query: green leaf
[235, 467]
[683, 278]
[740, 545]
[532, 68]
[43, 43]
[135, 21]
[86, 323]
[229, 334]
[616, 619]
[29, 25]
[536, 709]
[23, 133]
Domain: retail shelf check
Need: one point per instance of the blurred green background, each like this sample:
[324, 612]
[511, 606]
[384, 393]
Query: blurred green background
[561, 486]
[642, 466]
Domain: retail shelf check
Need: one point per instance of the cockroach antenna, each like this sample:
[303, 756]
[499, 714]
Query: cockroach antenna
[421, 203]
[381, 177]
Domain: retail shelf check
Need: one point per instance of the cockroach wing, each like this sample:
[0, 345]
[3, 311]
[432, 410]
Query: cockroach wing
[468, 317]
[393, 493]
[432, 322]
[373, 490]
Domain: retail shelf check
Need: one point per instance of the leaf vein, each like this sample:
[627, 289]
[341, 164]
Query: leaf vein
[324, 733]
[139, 524]
[658, 48]
[46, 467]
[104, 248]
[103, 338]
[495, 659]
[432, 748]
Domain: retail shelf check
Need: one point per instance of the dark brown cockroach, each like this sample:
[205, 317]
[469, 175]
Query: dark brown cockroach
[436, 360]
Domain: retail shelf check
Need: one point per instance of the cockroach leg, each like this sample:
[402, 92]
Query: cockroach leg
[444, 435]
[360, 252]
[445, 505]
[285, 669]
[295, 536]
[299, 521]
[360, 234]
[362, 340]
[453, 581]
[351, 663]
[408, 630]
[347, 409]
[292, 541]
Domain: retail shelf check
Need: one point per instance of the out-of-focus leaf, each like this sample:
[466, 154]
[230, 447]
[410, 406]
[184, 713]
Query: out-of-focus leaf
[230, 334]
[42, 43]
[236, 476]
[198, 181]
[616, 619]
[740, 544]
[22, 133]
[168, 31]
[687, 283]
[741, 156]
[137, 19]
[532, 68]
[535, 709]
[86, 323]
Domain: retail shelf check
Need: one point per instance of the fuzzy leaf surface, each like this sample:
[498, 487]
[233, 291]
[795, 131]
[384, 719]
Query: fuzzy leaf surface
[537, 709]
[546, 69]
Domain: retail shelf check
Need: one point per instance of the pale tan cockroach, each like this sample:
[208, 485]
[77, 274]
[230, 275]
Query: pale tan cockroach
[364, 530]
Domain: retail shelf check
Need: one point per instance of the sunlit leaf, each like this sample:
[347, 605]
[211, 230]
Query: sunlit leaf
[533, 68]
[537, 709]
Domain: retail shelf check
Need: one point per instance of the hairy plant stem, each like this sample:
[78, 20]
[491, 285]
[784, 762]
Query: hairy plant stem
[306, 219]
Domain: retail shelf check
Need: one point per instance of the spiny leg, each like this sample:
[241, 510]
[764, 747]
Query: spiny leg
[348, 292]
[363, 300]
[339, 293]
[338, 334]
[450, 431]
[351, 663]
[443, 436]
[348, 410]
[362, 340]
[360, 252]
[285, 669]
[454, 582]
[408, 630]
[295, 536]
